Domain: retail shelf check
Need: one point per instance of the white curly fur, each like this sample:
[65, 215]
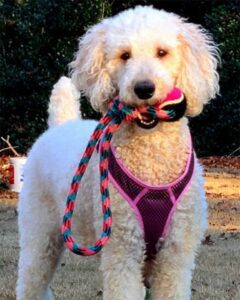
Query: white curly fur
[60, 110]
[156, 156]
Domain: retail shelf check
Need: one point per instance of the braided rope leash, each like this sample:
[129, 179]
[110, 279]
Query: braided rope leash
[108, 124]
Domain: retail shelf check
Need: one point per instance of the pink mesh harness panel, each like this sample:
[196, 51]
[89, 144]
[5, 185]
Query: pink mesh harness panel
[152, 205]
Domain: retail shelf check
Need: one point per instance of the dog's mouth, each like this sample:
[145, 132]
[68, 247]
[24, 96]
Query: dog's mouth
[147, 121]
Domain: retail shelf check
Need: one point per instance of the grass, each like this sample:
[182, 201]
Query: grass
[217, 274]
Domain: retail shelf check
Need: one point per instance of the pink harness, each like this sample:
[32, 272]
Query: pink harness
[153, 205]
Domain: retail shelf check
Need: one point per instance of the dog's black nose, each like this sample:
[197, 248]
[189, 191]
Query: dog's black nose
[144, 89]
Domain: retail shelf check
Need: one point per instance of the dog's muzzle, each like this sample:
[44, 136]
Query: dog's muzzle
[176, 110]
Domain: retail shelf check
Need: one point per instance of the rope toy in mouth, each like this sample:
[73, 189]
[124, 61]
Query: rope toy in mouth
[170, 109]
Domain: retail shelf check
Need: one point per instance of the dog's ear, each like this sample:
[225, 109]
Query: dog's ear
[88, 70]
[198, 78]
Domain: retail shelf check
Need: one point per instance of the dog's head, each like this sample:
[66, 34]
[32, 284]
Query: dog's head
[141, 54]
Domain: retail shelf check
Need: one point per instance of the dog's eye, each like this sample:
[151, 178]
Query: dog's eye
[161, 53]
[125, 56]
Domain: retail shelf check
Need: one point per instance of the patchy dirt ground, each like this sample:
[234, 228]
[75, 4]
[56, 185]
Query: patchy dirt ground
[217, 274]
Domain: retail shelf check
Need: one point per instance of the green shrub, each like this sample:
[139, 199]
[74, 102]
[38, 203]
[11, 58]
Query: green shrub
[217, 130]
[38, 39]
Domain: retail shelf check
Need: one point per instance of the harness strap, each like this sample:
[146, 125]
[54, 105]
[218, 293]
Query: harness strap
[153, 206]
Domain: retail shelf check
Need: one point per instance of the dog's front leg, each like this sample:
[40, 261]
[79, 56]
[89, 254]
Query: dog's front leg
[122, 257]
[172, 280]
[172, 275]
[122, 274]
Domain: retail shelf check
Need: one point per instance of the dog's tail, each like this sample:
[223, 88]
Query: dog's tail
[64, 104]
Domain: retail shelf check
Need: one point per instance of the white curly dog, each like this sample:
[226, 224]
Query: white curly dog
[140, 55]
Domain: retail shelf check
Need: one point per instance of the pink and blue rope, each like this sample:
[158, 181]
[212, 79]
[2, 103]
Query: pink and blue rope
[108, 124]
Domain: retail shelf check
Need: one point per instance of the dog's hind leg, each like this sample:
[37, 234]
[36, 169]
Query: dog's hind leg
[40, 246]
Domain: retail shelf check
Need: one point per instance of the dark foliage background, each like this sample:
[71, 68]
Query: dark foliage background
[38, 40]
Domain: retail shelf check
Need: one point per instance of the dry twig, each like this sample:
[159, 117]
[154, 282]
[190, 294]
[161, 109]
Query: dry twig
[7, 141]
